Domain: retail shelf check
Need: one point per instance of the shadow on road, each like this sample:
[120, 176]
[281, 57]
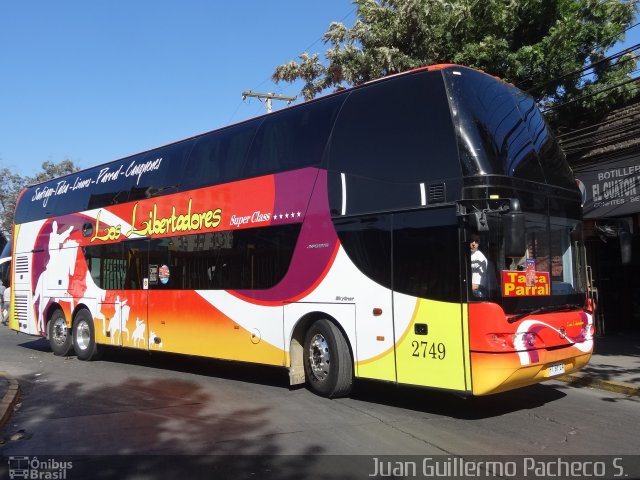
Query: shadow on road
[435, 402]
[448, 404]
[151, 428]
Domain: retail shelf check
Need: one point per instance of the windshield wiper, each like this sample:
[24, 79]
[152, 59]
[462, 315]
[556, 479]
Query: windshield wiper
[548, 309]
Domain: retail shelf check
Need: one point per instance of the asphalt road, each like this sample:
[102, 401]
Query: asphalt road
[132, 403]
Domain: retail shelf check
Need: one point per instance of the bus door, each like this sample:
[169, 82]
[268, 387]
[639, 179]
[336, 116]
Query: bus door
[115, 295]
[431, 327]
[170, 294]
[367, 241]
[130, 309]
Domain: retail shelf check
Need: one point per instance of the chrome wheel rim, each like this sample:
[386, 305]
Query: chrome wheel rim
[319, 357]
[83, 335]
[59, 331]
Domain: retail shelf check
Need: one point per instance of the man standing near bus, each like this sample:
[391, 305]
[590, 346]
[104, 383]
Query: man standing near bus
[3, 316]
[478, 267]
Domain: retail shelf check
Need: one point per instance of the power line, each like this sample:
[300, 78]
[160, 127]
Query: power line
[632, 26]
[621, 134]
[585, 69]
[618, 64]
[614, 126]
[268, 97]
[626, 134]
[530, 77]
[590, 127]
[603, 136]
[320, 39]
[582, 97]
[306, 49]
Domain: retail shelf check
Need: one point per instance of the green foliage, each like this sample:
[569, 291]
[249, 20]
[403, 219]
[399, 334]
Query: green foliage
[531, 43]
[53, 170]
[11, 184]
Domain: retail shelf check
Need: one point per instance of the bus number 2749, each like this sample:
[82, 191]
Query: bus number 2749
[424, 349]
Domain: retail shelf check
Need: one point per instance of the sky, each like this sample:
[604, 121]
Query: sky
[94, 81]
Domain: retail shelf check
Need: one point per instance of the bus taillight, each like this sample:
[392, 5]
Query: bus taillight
[500, 340]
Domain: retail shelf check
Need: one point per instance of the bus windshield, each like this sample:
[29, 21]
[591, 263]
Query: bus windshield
[550, 271]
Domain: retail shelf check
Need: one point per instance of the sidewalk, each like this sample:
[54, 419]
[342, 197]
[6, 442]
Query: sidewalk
[9, 390]
[614, 366]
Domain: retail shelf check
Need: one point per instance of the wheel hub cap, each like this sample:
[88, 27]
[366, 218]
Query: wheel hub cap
[83, 335]
[59, 332]
[319, 357]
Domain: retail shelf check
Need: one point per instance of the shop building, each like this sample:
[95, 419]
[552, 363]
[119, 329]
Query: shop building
[605, 158]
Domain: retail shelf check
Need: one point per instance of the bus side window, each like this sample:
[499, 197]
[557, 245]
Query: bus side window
[165, 179]
[218, 157]
[425, 254]
[4, 274]
[253, 258]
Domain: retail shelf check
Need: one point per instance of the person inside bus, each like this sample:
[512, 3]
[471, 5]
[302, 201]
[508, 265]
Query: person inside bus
[479, 265]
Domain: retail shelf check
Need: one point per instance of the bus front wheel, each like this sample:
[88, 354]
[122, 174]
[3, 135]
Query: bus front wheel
[327, 361]
[84, 337]
[60, 339]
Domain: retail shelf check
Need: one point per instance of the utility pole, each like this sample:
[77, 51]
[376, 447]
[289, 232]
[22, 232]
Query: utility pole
[268, 97]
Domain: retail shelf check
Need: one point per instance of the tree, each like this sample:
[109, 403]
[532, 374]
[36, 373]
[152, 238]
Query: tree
[53, 170]
[531, 43]
[11, 184]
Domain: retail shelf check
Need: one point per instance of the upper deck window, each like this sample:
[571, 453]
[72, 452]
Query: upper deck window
[397, 130]
[218, 157]
[293, 138]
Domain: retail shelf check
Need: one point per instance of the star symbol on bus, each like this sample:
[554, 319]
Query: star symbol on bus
[287, 215]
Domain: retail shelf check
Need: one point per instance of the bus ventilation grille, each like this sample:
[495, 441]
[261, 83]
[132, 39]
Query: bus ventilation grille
[437, 193]
[22, 264]
[22, 302]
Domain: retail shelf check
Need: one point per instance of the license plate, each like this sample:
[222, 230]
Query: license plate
[556, 369]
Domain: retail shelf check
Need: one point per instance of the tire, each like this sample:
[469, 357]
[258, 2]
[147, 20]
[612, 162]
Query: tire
[60, 337]
[84, 337]
[328, 365]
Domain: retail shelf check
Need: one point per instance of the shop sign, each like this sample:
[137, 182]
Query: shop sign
[611, 190]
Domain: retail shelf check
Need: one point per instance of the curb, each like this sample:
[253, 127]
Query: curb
[609, 385]
[9, 399]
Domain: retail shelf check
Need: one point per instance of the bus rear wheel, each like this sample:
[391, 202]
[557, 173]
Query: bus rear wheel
[327, 360]
[84, 337]
[60, 339]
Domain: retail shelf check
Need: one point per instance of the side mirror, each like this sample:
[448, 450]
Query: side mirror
[513, 226]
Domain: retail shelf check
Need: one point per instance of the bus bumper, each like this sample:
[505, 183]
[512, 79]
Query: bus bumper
[499, 372]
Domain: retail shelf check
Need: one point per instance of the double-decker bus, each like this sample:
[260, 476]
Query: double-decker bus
[330, 238]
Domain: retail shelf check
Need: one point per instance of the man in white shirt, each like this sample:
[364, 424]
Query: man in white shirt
[478, 267]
